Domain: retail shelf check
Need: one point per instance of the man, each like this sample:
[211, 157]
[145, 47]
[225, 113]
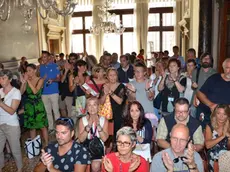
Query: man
[51, 74]
[66, 97]
[61, 62]
[115, 63]
[214, 91]
[141, 55]
[191, 54]
[125, 71]
[64, 155]
[106, 61]
[177, 158]
[206, 70]
[180, 116]
[177, 56]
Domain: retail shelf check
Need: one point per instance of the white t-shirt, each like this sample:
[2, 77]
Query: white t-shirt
[5, 117]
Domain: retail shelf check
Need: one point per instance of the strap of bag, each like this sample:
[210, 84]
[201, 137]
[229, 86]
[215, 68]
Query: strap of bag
[197, 74]
[27, 150]
[93, 133]
[94, 83]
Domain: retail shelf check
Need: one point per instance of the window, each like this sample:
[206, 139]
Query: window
[161, 34]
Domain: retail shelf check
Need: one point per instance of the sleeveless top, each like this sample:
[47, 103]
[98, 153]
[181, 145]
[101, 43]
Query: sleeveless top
[85, 123]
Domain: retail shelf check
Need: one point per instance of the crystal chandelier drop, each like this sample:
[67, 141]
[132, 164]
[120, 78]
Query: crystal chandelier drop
[6, 7]
[107, 21]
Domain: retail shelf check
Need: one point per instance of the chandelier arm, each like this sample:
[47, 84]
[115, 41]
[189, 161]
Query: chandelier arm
[45, 6]
[8, 11]
[67, 10]
[39, 11]
[1, 3]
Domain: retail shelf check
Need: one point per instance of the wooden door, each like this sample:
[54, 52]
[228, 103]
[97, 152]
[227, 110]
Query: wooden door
[225, 35]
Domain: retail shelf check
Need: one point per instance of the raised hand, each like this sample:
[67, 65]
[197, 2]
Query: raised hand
[131, 87]
[106, 89]
[167, 161]
[190, 155]
[46, 158]
[107, 164]
[76, 80]
[135, 163]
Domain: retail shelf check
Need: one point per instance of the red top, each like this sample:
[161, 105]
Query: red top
[140, 57]
[144, 166]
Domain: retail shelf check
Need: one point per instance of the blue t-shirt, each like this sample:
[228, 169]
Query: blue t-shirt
[217, 89]
[65, 163]
[51, 71]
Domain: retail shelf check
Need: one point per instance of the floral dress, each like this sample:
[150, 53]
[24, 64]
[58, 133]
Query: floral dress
[217, 150]
[35, 114]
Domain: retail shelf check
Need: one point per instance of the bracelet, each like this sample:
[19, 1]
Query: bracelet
[86, 129]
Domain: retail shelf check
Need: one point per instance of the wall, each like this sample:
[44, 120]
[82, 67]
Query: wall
[15, 43]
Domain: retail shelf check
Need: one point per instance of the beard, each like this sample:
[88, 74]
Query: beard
[205, 65]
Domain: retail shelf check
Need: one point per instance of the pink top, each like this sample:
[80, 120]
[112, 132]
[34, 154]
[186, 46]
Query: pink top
[119, 166]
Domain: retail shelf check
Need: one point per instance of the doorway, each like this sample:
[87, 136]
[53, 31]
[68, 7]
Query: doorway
[54, 46]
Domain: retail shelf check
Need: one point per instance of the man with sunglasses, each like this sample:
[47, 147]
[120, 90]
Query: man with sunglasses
[64, 155]
[180, 116]
[177, 158]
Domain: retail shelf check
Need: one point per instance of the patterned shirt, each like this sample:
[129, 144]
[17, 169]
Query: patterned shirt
[65, 163]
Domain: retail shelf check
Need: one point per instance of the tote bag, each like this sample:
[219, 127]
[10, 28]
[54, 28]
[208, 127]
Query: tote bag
[105, 110]
[33, 147]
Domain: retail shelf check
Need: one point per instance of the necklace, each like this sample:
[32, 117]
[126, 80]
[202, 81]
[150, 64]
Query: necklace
[120, 162]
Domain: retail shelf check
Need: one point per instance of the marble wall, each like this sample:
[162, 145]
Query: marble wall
[15, 43]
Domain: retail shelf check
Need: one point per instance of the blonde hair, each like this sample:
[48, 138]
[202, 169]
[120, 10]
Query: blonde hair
[111, 69]
[96, 69]
[213, 115]
[92, 99]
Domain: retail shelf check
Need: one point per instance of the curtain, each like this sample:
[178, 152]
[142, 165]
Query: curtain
[141, 30]
[98, 39]
[67, 22]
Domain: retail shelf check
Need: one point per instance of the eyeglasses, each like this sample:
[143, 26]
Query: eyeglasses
[181, 112]
[182, 158]
[125, 144]
[181, 141]
[67, 120]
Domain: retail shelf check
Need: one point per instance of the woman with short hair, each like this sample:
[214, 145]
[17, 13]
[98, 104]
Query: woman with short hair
[90, 126]
[124, 160]
[10, 98]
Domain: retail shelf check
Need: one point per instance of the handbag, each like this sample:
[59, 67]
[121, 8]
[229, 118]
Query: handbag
[33, 147]
[94, 146]
[105, 110]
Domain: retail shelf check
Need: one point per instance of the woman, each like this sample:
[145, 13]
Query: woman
[125, 160]
[91, 125]
[172, 86]
[116, 92]
[97, 79]
[35, 114]
[9, 124]
[190, 66]
[217, 134]
[77, 79]
[135, 119]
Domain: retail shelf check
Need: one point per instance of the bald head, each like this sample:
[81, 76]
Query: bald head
[180, 128]
[227, 60]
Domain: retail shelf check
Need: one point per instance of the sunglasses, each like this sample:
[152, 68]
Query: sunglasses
[182, 158]
[67, 120]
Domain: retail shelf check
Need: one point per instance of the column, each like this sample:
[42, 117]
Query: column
[205, 26]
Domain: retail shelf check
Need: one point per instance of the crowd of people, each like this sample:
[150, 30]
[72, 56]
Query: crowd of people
[109, 115]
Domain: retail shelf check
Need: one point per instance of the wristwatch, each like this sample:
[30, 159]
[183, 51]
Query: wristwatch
[193, 168]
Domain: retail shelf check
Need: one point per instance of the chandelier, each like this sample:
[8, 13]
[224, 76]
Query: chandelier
[107, 21]
[29, 6]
